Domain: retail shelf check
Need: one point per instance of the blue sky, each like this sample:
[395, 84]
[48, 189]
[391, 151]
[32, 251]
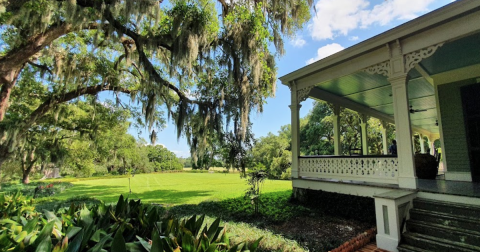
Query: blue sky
[336, 25]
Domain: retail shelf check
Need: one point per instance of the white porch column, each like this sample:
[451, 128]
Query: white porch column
[363, 125]
[413, 143]
[336, 131]
[430, 145]
[406, 165]
[295, 116]
[384, 138]
[422, 144]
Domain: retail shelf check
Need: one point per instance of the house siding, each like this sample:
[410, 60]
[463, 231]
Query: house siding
[454, 135]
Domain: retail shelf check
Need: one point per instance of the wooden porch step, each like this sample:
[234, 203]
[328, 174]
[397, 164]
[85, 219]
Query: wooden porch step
[449, 220]
[436, 244]
[408, 248]
[457, 209]
[444, 232]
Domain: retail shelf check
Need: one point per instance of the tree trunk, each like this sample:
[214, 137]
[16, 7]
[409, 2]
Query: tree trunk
[7, 82]
[27, 165]
[26, 177]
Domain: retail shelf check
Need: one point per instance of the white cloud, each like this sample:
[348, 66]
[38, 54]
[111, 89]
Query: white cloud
[180, 153]
[338, 17]
[353, 38]
[298, 42]
[326, 51]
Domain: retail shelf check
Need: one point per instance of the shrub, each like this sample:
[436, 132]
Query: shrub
[287, 174]
[15, 206]
[346, 206]
[255, 181]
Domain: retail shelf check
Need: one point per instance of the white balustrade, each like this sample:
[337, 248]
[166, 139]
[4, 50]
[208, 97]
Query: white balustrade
[364, 168]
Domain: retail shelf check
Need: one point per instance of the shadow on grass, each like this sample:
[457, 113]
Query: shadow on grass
[110, 194]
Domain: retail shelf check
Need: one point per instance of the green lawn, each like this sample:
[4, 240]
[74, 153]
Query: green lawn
[169, 188]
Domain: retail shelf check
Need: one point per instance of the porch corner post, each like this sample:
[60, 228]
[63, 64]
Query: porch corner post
[363, 125]
[337, 145]
[295, 117]
[384, 138]
[413, 143]
[430, 145]
[406, 164]
[422, 143]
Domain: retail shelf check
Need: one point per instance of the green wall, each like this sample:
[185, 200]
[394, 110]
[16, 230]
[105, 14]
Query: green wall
[454, 136]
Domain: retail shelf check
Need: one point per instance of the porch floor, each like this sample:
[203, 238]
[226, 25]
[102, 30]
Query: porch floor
[442, 186]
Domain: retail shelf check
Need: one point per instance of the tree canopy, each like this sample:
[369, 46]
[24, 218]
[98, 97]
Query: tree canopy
[207, 64]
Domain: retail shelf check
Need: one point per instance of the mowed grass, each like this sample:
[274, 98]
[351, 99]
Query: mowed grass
[168, 188]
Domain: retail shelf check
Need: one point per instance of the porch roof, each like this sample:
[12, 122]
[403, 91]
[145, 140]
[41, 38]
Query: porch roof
[342, 78]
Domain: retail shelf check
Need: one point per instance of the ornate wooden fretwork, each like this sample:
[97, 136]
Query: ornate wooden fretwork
[302, 94]
[370, 169]
[414, 58]
[382, 68]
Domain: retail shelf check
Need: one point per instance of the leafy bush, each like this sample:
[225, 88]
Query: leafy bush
[37, 189]
[15, 206]
[287, 174]
[275, 208]
[255, 181]
[345, 206]
[129, 226]
[11, 171]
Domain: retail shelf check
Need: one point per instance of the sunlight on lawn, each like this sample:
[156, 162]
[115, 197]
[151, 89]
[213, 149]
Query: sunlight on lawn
[170, 188]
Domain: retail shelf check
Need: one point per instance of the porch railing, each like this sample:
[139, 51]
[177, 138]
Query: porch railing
[378, 169]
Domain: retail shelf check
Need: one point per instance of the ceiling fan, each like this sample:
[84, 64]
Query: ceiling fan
[413, 111]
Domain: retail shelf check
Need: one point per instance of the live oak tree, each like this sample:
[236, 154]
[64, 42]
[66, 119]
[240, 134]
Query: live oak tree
[71, 137]
[209, 63]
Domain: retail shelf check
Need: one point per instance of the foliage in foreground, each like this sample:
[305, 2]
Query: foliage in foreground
[129, 226]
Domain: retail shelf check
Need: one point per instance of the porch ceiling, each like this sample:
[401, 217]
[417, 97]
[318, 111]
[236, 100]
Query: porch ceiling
[374, 91]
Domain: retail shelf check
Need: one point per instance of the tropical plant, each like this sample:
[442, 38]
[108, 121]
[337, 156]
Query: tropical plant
[128, 226]
[16, 205]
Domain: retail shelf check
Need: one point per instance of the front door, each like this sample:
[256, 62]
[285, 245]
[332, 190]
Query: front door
[471, 113]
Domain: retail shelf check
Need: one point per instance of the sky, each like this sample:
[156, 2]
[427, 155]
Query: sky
[336, 25]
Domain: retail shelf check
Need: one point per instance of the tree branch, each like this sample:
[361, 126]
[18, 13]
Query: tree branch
[57, 99]
[147, 65]
[18, 56]
[43, 67]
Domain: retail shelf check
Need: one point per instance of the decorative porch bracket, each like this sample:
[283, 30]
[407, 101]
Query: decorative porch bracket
[391, 210]
[302, 94]
[414, 58]
[382, 68]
